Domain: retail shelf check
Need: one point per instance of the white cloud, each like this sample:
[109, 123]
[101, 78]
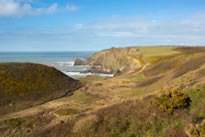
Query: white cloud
[121, 26]
[188, 29]
[25, 8]
[116, 31]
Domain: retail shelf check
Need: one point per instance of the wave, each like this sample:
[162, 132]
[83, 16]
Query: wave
[69, 63]
[81, 75]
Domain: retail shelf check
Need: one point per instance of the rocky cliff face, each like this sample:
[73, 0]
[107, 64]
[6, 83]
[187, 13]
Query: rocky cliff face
[116, 59]
[23, 85]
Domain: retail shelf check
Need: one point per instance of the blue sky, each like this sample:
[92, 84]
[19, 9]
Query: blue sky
[77, 25]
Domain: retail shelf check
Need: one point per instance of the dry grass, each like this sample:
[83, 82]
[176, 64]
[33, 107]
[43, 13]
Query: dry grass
[67, 111]
[103, 112]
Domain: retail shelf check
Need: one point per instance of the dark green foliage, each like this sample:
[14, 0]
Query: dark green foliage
[173, 100]
[20, 79]
[25, 84]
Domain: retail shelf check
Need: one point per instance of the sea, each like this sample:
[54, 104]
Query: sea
[63, 61]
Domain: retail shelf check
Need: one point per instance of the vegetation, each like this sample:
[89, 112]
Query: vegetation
[162, 98]
[117, 59]
[15, 122]
[144, 118]
[121, 60]
[173, 100]
[155, 53]
[21, 79]
[25, 84]
[132, 119]
[197, 130]
[197, 109]
[91, 78]
[65, 112]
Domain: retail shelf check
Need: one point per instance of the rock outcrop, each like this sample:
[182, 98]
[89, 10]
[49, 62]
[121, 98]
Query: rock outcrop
[79, 62]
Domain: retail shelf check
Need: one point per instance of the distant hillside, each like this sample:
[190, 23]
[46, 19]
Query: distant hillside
[23, 85]
[127, 59]
[116, 59]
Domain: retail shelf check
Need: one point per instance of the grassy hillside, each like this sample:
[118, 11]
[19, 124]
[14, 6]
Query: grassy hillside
[24, 84]
[162, 98]
[144, 118]
[128, 59]
[115, 59]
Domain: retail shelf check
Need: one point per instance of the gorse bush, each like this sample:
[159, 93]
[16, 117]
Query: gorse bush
[173, 100]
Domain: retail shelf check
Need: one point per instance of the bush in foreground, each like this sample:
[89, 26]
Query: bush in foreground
[173, 100]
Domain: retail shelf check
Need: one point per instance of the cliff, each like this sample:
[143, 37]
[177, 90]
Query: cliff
[116, 59]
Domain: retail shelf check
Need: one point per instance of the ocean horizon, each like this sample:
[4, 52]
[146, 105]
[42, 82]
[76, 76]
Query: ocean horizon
[63, 61]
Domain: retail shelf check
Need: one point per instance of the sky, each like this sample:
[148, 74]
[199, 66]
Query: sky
[88, 25]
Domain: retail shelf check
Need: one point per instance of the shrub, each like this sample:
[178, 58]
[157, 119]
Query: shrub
[173, 100]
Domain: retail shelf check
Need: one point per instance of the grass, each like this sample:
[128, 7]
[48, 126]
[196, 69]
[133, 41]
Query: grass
[135, 77]
[19, 123]
[83, 98]
[66, 112]
[171, 116]
[131, 58]
[133, 119]
[116, 59]
[142, 118]
[133, 93]
[20, 79]
[154, 59]
[91, 78]
[152, 53]
[197, 109]
[15, 123]
[23, 85]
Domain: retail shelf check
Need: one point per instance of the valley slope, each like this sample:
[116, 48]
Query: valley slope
[159, 92]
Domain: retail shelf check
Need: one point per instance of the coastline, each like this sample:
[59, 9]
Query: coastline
[63, 61]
